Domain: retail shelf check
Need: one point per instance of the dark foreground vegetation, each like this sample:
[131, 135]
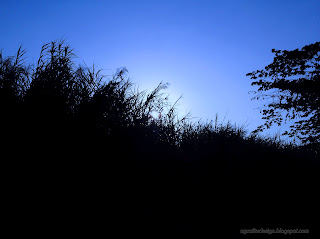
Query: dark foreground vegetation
[82, 154]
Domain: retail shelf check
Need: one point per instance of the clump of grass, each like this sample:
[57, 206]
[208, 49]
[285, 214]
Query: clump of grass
[81, 135]
[59, 99]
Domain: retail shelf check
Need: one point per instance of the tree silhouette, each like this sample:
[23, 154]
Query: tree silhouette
[291, 84]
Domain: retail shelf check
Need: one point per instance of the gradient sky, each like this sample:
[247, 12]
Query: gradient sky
[202, 48]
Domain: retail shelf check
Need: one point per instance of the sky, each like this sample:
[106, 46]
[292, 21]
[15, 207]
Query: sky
[202, 48]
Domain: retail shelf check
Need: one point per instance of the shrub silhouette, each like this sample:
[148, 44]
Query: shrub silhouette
[72, 133]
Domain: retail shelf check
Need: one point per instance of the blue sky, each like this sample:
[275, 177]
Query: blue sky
[202, 48]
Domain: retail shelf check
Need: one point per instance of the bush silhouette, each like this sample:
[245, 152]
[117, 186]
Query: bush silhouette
[72, 133]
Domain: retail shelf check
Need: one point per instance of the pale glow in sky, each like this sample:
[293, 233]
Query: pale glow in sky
[202, 48]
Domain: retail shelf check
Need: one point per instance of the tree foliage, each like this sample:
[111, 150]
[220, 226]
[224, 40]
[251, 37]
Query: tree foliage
[290, 85]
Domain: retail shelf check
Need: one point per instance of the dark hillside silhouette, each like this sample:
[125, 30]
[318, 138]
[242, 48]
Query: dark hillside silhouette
[83, 154]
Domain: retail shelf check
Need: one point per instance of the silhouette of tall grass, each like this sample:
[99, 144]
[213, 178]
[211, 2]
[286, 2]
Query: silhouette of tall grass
[57, 91]
[71, 126]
